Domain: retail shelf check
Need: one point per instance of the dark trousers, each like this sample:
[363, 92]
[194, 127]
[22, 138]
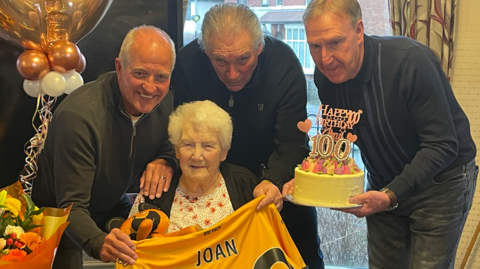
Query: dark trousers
[424, 231]
[68, 255]
[302, 224]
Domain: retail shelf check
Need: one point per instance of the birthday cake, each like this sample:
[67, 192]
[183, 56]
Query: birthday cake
[327, 182]
[329, 176]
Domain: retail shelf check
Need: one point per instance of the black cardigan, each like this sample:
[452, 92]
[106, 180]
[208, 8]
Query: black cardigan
[239, 182]
[412, 127]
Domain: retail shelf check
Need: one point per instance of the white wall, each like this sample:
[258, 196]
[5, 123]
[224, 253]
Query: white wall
[466, 85]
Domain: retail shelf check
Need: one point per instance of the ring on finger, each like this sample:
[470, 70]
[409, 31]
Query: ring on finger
[119, 261]
[162, 177]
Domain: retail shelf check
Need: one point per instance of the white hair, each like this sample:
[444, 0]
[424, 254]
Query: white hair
[204, 116]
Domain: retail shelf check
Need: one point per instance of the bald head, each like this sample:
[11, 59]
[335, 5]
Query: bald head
[145, 37]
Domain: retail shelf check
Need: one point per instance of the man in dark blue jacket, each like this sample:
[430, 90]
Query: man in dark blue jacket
[413, 135]
[259, 81]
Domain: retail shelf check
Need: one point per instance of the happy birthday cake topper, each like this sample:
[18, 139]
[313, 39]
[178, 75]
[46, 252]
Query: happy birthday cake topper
[333, 138]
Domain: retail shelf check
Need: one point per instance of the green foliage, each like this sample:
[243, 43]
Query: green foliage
[26, 223]
[4, 222]
[30, 211]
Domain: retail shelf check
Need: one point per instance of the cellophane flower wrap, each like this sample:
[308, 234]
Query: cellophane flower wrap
[29, 236]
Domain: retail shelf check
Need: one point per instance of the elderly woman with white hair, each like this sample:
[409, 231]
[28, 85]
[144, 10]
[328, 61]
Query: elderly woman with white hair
[204, 190]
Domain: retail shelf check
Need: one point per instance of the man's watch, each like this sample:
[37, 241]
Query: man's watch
[393, 199]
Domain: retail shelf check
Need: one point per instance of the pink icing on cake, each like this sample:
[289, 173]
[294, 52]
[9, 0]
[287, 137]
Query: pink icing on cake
[329, 166]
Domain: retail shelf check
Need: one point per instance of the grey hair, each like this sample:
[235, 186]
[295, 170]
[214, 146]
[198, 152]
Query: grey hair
[230, 19]
[351, 8]
[203, 116]
[124, 54]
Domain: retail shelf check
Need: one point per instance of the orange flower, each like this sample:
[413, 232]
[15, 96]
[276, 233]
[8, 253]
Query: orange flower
[31, 240]
[14, 255]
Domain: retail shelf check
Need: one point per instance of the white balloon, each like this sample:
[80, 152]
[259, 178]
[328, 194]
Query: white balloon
[31, 87]
[68, 74]
[73, 82]
[53, 84]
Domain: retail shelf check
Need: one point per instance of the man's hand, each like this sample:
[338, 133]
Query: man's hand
[118, 245]
[156, 178]
[272, 194]
[371, 201]
[288, 189]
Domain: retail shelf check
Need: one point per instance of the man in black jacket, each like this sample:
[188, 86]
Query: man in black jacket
[104, 137]
[413, 135]
[259, 81]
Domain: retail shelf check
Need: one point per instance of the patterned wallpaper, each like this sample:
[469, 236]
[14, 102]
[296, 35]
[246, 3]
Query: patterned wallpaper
[466, 85]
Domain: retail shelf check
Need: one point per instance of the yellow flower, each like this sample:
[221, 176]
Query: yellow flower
[3, 196]
[14, 205]
[3, 242]
[13, 229]
[37, 218]
[14, 255]
[31, 240]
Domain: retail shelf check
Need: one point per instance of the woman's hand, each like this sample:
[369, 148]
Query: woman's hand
[156, 178]
[272, 194]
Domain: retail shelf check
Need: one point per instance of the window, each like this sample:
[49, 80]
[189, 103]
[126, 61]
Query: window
[344, 236]
[296, 39]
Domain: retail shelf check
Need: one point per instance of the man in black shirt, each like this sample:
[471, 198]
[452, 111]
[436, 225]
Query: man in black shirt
[413, 135]
[259, 81]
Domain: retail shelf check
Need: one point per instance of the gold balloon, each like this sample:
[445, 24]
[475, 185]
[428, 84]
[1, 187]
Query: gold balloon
[44, 43]
[54, 19]
[32, 64]
[30, 45]
[81, 65]
[64, 56]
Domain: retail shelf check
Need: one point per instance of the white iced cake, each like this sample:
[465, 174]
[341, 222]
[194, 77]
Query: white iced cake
[327, 182]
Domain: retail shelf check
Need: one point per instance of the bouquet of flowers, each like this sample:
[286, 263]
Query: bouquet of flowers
[29, 235]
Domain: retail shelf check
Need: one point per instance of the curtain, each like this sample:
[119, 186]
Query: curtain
[185, 5]
[429, 22]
